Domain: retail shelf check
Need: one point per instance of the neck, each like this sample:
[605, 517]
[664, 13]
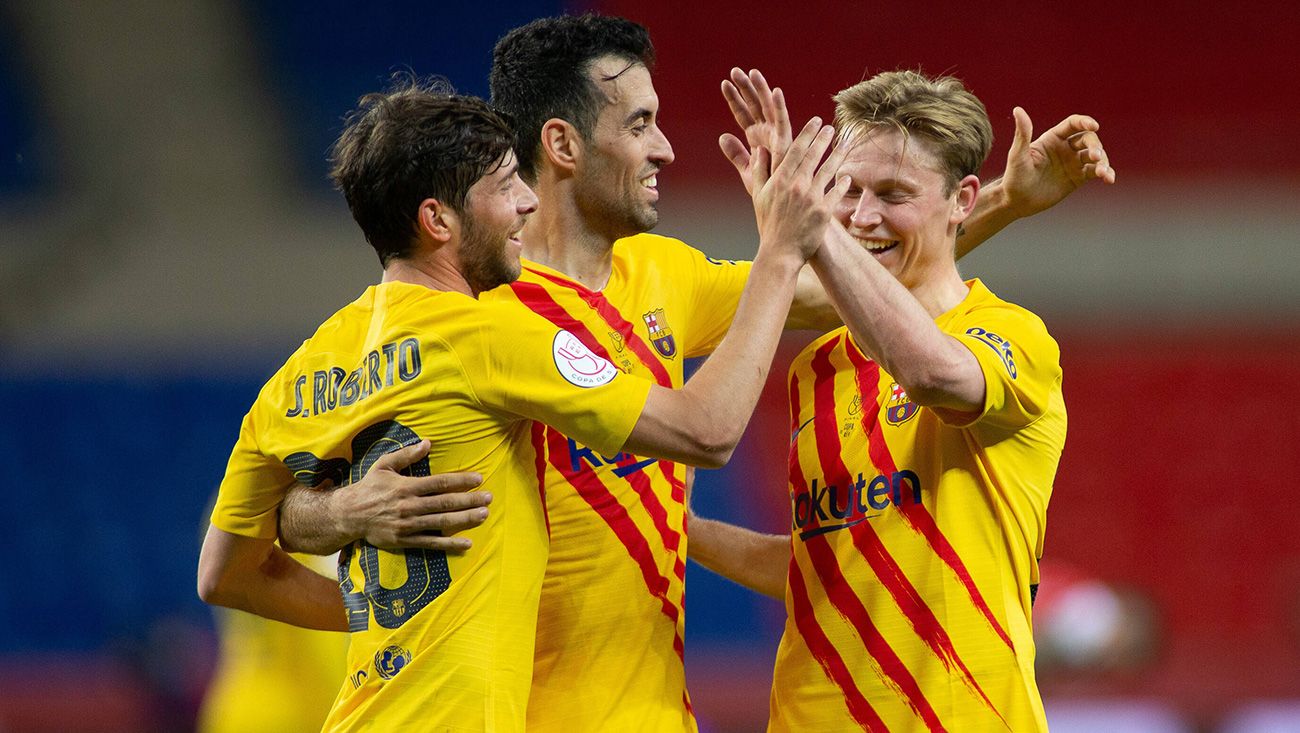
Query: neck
[940, 293]
[560, 237]
[429, 270]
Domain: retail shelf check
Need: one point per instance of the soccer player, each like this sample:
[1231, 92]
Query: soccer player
[610, 635]
[925, 438]
[446, 642]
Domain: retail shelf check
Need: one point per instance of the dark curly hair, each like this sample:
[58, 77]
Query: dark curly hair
[540, 71]
[416, 141]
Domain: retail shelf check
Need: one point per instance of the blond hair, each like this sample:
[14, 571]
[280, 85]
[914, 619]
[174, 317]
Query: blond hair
[940, 110]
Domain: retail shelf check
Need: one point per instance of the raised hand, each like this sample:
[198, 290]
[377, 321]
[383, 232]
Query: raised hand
[761, 113]
[1042, 173]
[793, 198]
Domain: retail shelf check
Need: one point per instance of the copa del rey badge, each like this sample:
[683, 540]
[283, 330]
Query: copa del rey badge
[578, 364]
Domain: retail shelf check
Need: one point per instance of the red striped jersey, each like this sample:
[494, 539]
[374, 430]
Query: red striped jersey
[610, 625]
[915, 538]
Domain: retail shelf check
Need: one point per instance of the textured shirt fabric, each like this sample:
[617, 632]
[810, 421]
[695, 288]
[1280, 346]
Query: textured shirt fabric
[916, 535]
[439, 642]
[610, 626]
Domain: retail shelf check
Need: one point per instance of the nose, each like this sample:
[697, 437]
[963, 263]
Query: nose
[865, 214]
[661, 151]
[527, 202]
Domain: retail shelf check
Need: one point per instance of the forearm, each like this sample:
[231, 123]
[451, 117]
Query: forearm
[256, 576]
[308, 522]
[755, 560]
[812, 308]
[889, 323]
[992, 213]
[701, 423]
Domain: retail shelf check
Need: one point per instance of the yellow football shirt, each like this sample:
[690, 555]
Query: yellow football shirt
[610, 626]
[915, 540]
[272, 677]
[438, 642]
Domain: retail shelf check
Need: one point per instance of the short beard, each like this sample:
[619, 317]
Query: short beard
[483, 260]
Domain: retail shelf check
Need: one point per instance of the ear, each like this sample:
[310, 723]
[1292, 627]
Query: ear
[561, 144]
[963, 204]
[437, 221]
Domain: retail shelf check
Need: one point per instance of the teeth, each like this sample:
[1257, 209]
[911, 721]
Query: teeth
[650, 182]
[876, 245]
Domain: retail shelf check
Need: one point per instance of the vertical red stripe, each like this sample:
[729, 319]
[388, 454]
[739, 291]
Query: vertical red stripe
[599, 498]
[824, 561]
[916, 514]
[829, 659]
[804, 616]
[538, 431]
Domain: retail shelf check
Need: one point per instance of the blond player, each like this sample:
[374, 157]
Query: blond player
[925, 439]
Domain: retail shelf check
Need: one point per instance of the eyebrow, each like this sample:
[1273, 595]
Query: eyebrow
[510, 171]
[639, 114]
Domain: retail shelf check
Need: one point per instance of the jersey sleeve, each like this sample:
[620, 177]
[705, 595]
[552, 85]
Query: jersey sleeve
[529, 368]
[1021, 364]
[254, 485]
[718, 285]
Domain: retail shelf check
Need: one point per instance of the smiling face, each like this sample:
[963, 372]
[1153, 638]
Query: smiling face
[900, 208]
[615, 181]
[496, 209]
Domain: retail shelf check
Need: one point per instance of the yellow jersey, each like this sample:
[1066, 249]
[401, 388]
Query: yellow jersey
[272, 677]
[916, 538]
[439, 642]
[610, 625]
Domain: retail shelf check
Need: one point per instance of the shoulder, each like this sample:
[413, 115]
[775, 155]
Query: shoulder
[984, 310]
[647, 246]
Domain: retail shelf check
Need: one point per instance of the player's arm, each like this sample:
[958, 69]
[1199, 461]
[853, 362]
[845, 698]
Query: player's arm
[386, 509]
[701, 423]
[254, 575]
[1038, 175]
[755, 560]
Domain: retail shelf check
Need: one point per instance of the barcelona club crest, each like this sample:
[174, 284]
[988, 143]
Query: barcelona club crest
[660, 334]
[900, 408]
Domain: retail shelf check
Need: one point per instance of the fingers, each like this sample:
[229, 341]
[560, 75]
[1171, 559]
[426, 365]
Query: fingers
[429, 522]
[434, 542]
[1092, 156]
[831, 166]
[1024, 132]
[736, 152]
[736, 102]
[1073, 125]
[807, 150]
[445, 521]
[767, 100]
[445, 483]
[401, 459]
[760, 168]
